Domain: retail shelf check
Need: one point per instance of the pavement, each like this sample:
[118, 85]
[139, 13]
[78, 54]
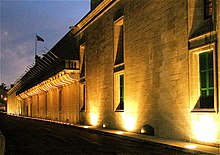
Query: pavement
[179, 145]
[2, 144]
[192, 148]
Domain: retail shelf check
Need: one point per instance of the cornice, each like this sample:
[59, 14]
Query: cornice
[92, 16]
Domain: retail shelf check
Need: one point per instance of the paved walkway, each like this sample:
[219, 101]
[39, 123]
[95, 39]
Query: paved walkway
[184, 146]
[2, 144]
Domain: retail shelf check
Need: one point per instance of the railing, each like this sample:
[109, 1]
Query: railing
[72, 64]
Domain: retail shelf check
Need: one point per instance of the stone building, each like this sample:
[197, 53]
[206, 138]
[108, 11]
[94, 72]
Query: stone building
[140, 66]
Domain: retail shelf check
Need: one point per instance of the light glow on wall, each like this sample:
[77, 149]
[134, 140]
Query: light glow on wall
[130, 115]
[94, 119]
[205, 129]
[129, 122]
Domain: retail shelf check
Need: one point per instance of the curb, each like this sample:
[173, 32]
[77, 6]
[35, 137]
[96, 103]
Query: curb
[185, 150]
[2, 144]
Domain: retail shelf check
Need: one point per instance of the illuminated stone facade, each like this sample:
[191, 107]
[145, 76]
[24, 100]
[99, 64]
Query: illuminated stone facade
[140, 64]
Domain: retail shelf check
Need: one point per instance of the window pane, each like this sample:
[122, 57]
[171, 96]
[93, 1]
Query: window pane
[121, 88]
[211, 92]
[211, 79]
[203, 79]
[207, 102]
[210, 60]
[120, 106]
[202, 102]
[210, 102]
[206, 80]
[120, 49]
[203, 93]
[202, 61]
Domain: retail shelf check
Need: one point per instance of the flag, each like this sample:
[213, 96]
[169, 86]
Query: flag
[39, 38]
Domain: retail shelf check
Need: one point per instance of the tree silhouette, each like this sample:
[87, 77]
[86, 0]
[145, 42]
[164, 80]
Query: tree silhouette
[3, 86]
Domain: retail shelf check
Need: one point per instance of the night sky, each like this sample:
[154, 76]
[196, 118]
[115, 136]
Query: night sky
[21, 20]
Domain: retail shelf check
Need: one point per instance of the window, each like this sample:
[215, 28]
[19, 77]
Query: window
[46, 103]
[206, 80]
[82, 97]
[119, 92]
[60, 100]
[82, 61]
[119, 65]
[203, 79]
[118, 43]
[208, 8]
[82, 78]
[38, 107]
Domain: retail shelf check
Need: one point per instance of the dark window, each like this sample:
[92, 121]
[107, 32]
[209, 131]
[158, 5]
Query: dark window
[82, 73]
[83, 108]
[120, 49]
[121, 103]
[206, 80]
[46, 103]
[208, 8]
[38, 108]
[60, 100]
[122, 88]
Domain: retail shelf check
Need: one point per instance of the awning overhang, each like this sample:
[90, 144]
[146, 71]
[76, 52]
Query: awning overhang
[63, 78]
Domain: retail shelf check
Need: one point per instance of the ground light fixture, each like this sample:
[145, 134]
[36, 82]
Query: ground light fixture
[104, 125]
[190, 146]
[119, 132]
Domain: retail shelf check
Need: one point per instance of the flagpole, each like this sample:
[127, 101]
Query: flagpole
[37, 38]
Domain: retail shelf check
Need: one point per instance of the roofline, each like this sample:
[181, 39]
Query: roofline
[93, 15]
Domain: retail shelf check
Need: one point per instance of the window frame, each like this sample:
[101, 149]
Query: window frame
[117, 91]
[117, 26]
[82, 74]
[119, 31]
[206, 86]
[82, 55]
[82, 97]
[82, 62]
[194, 78]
